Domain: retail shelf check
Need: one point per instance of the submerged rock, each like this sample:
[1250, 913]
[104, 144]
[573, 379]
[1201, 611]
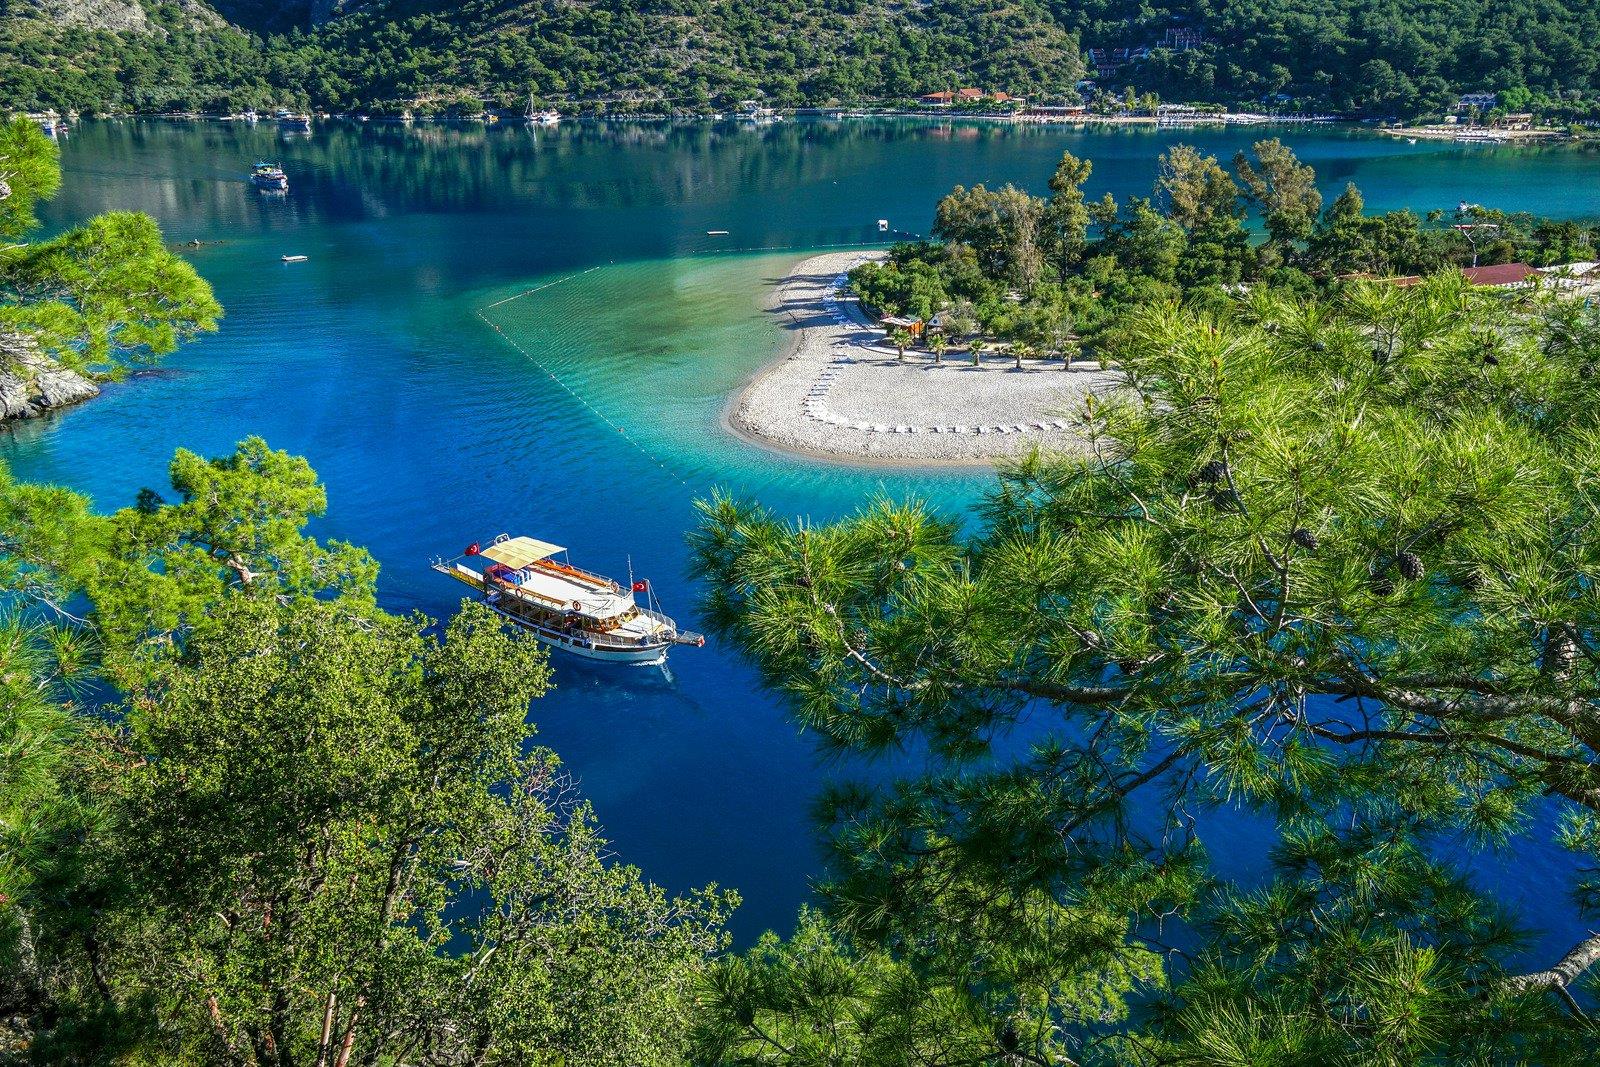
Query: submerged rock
[32, 383]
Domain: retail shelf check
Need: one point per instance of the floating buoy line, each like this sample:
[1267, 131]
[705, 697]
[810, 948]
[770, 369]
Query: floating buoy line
[579, 397]
[481, 313]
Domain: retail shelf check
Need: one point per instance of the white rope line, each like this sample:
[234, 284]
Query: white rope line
[579, 397]
[879, 243]
[535, 289]
[529, 356]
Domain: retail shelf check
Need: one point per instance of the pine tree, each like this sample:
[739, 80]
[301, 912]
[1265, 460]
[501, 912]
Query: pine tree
[1320, 560]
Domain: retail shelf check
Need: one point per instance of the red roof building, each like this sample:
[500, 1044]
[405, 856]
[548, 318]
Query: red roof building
[1503, 274]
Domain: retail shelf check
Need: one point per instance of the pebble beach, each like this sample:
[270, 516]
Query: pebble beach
[838, 392]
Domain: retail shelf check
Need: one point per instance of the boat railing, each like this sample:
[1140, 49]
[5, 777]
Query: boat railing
[576, 635]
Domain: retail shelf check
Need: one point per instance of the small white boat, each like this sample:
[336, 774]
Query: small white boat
[716, 233]
[574, 610]
[541, 116]
[270, 177]
[295, 259]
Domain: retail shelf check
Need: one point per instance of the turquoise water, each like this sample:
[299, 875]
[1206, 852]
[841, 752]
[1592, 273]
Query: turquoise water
[431, 433]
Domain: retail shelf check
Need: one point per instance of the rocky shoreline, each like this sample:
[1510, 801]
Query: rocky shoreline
[33, 384]
[836, 393]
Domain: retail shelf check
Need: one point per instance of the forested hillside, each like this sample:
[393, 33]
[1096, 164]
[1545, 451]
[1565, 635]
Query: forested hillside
[685, 54]
[1377, 58]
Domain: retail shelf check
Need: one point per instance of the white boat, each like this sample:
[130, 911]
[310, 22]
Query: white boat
[269, 176]
[541, 116]
[295, 259]
[573, 610]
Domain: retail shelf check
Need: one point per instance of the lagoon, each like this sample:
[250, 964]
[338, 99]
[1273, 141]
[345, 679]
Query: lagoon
[430, 432]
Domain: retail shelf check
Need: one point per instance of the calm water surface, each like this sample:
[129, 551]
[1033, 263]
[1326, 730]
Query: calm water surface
[430, 432]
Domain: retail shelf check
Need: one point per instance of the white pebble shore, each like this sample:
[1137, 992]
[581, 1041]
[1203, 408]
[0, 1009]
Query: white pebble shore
[838, 392]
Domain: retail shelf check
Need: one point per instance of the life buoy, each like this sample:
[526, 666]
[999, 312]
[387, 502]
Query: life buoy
[576, 605]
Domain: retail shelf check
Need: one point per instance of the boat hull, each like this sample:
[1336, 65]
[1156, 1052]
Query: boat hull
[587, 648]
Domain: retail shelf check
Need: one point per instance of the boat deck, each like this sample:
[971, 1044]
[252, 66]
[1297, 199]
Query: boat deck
[573, 591]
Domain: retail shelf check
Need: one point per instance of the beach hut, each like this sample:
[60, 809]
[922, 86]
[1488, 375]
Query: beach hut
[902, 322]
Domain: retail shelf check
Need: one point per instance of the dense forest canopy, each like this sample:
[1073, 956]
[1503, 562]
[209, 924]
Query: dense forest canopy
[1054, 276]
[1376, 58]
[1326, 558]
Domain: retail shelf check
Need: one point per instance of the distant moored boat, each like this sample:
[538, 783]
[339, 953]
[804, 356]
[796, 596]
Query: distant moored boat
[541, 116]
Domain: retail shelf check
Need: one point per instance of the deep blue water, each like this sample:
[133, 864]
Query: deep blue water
[430, 433]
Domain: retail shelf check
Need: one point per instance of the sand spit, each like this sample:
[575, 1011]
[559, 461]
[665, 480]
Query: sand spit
[838, 392]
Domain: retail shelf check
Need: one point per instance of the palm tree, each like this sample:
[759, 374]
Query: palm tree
[939, 345]
[1069, 348]
[900, 339]
[1019, 350]
[975, 349]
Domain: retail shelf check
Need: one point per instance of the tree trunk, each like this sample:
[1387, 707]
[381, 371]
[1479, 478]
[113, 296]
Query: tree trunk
[1578, 959]
[327, 1029]
[349, 1041]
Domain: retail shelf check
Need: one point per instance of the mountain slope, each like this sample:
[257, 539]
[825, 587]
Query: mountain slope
[685, 53]
[1371, 57]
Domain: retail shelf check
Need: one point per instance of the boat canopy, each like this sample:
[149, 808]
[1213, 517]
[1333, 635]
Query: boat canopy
[518, 552]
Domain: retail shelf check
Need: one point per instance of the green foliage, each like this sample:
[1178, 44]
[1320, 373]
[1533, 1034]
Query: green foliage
[1043, 271]
[673, 56]
[1326, 559]
[1372, 59]
[29, 172]
[154, 572]
[105, 293]
[303, 830]
[41, 669]
[100, 295]
[815, 999]
[1283, 190]
[363, 828]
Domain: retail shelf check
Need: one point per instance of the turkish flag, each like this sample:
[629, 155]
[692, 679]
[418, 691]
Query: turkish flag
[473, 549]
[641, 585]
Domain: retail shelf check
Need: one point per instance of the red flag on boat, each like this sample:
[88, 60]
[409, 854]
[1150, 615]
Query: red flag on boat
[473, 549]
[641, 585]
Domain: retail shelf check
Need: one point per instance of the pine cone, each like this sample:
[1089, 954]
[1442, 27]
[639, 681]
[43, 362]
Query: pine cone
[1382, 586]
[1213, 472]
[1410, 566]
[1491, 360]
[1305, 539]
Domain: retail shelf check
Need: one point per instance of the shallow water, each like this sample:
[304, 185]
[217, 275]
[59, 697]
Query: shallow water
[430, 432]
